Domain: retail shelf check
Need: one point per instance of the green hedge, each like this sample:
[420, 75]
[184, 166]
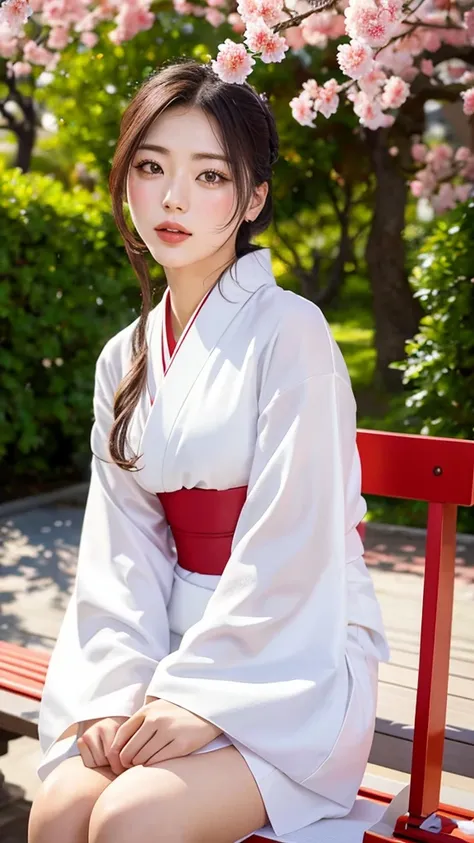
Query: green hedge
[439, 366]
[66, 286]
[438, 371]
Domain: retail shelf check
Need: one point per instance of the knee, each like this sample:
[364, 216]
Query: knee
[61, 809]
[55, 812]
[117, 820]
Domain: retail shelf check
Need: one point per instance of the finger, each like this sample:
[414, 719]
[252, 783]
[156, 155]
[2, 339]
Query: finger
[171, 750]
[154, 744]
[137, 742]
[125, 732]
[86, 753]
[112, 761]
[99, 751]
[115, 765]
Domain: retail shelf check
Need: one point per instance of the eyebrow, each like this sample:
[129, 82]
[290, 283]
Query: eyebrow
[196, 156]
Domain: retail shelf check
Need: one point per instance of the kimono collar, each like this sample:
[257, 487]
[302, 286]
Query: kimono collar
[167, 391]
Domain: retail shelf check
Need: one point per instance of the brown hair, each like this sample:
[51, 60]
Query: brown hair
[250, 140]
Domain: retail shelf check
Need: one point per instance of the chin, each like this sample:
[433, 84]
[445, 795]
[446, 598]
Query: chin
[180, 256]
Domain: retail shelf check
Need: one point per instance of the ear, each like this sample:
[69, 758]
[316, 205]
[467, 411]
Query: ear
[257, 202]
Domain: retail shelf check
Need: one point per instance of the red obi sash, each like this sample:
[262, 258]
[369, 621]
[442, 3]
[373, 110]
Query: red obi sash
[203, 523]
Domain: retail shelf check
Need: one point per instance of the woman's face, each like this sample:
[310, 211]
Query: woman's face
[179, 175]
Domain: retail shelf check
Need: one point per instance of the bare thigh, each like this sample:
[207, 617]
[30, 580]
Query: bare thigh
[211, 797]
[62, 807]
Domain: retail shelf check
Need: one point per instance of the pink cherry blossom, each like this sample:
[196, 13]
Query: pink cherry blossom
[22, 68]
[373, 81]
[294, 37]
[275, 49]
[248, 10]
[467, 78]
[58, 38]
[35, 54]
[89, 39]
[133, 17]
[8, 47]
[302, 110]
[355, 59]
[370, 22]
[257, 35]
[445, 199]
[431, 40]
[395, 93]
[416, 188]
[463, 154]
[311, 87]
[318, 28]
[236, 22]
[428, 181]
[233, 63]
[456, 71]
[369, 111]
[468, 105]
[13, 14]
[88, 22]
[261, 39]
[214, 17]
[427, 67]
[270, 11]
[183, 7]
[327, 100]
[469, 24]
[463, 192]
[418, 152]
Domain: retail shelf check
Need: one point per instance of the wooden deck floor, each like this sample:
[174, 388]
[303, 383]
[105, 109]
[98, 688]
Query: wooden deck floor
[397, 568]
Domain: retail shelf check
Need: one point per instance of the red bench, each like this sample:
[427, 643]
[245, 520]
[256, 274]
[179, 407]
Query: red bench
[437, 470]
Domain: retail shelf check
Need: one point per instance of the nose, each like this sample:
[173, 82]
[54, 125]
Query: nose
[174, 198]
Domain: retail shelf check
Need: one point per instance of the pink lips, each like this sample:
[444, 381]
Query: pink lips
[171, 236]
[177, 234]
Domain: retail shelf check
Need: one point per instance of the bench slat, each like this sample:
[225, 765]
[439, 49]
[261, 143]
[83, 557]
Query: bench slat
[30, 688]
[24, 653]
[27, 669]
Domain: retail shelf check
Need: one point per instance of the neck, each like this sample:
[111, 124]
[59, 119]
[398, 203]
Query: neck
[189, 284]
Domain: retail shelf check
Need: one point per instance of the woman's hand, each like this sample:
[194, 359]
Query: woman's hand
[94, 740]
[158, 731]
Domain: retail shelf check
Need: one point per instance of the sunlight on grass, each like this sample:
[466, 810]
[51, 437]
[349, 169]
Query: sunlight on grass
[356, 344]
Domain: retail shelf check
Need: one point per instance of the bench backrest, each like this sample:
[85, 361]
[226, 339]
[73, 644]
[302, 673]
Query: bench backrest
[439, 471]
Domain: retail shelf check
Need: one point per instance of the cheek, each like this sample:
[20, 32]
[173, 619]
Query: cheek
[220, 205]
[138, 198]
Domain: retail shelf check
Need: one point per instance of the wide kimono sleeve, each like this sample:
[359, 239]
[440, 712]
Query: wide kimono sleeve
[115, 629]
[267, 662]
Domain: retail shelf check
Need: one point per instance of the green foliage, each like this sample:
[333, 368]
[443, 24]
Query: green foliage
[438, 371]
[65, 287]
[439, 367]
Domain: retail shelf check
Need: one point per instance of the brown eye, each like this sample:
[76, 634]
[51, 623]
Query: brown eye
[152, 164]
[214, 180]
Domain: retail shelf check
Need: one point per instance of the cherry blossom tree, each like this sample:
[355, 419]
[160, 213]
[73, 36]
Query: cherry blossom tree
[392, 49]
[383, 61]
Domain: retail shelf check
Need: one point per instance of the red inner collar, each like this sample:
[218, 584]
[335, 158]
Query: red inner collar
[169, 328]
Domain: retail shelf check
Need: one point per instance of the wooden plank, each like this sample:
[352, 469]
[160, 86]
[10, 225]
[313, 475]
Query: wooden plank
[397, 705]
[407, 677]
[395, 753]
[409, 657]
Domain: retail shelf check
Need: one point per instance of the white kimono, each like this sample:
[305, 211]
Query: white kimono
[281, 651]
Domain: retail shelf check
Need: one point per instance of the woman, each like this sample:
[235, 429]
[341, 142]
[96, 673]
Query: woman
[216, 668]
